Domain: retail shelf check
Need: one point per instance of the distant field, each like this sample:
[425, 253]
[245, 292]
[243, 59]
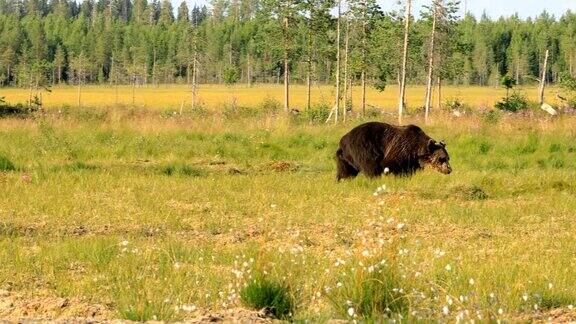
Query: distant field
[211, 96]
[116, 214]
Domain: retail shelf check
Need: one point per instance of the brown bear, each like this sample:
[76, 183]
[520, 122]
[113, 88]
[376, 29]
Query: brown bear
[375, 148]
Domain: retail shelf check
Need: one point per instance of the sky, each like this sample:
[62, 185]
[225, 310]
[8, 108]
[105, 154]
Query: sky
[494, 8]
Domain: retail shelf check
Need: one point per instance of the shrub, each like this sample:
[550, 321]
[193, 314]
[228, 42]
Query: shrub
[456, 104]
[6, 164]
[17, 110]
[513, 103]
[274, 298]
[492, 117]
[318, 114]
[270, 106]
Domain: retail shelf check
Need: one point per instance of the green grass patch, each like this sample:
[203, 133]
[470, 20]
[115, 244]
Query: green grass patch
[271, 296]
[6, 164]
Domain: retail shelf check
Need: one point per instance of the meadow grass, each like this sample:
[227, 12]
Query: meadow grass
[160, 217]
[172, 97]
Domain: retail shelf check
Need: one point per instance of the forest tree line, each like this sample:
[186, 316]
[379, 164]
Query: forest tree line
[135, 41]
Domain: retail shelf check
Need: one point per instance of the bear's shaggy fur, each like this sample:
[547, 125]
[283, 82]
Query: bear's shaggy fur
[375, 148]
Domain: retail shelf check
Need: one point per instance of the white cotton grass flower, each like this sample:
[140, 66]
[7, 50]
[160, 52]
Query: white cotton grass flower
[351, 312]
[124, 243]
[500, 311]
[386, 170]
[525, 297]
[448, 267]
[188, 308]
[380, 190]
[570, 307]
[445, 310]
[471, 282]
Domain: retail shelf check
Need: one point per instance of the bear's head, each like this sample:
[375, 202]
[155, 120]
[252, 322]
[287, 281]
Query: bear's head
[435, 155]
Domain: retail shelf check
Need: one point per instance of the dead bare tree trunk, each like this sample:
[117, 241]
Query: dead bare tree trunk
[248, 71]
[439, 93]
[286, 72]
[518, 72]
[345, 111]
[336, 108]
[309, 66]
[116, 88]
[430, 64]
[154, 77]
[193, 99]
[363, 77]
[570, 67]
[308, 84]
[80, 77]
[79, 93]
[543, 79]
[404, 62]
[133, 89]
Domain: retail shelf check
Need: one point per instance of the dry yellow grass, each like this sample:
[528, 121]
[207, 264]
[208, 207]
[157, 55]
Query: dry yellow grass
[173, 96]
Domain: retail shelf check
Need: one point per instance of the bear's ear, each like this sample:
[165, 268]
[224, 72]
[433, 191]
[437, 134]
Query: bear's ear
[442, 143]
[431, 145]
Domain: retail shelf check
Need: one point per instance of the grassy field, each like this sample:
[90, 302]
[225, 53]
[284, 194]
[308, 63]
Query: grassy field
[215, 96]
[129, 213]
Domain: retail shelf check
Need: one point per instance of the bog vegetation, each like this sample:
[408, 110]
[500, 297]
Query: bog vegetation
[149, 172]
[146, 215]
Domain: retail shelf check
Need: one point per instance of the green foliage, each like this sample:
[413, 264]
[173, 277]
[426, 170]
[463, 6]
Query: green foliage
[382, 79]
[270, 106]
[274, 298]
[62, 43]
[513, 103]
[568, 84]
[456, 104]
[491, 117]
[231, 75]
[18, 110]
[318, 113]
[507, 82]
[6, 164]
[181, 170]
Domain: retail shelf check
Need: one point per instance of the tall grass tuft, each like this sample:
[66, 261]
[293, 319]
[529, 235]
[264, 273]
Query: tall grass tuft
[371, 295]
[272, 297]
[6, 164]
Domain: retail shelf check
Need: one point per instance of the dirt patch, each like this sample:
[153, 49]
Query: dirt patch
[279, 166]
[44, 306]
[558, 315]
[237, 315]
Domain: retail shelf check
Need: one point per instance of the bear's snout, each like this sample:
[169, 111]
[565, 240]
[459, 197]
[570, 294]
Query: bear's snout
[446, 168]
